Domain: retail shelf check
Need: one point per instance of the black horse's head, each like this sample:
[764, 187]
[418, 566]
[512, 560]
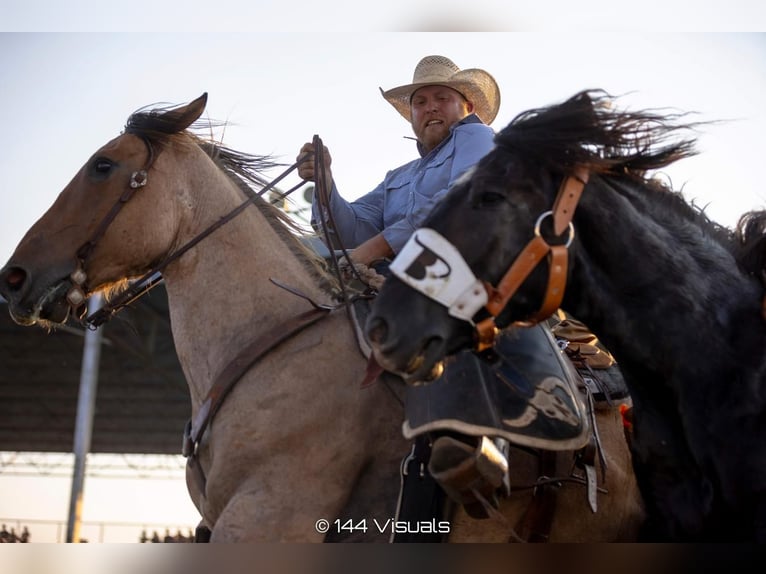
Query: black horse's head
[493, 212]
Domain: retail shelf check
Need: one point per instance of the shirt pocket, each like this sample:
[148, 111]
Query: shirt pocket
[398, 197]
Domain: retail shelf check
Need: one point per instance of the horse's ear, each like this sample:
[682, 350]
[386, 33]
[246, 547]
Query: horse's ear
[176, 120]
[188, 114]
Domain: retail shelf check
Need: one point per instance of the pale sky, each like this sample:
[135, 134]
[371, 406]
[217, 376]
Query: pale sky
[62, 96]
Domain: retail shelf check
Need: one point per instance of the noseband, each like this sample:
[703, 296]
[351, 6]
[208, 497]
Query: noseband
[450, 281]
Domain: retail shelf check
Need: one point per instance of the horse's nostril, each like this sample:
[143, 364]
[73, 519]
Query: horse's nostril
[14, 278]
[377, 330]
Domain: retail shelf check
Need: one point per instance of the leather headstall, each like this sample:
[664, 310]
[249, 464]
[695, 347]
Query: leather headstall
[558, 255]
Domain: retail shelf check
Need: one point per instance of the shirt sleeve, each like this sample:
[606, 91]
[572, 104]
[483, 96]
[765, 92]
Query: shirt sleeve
[471, 143]
[354, 222]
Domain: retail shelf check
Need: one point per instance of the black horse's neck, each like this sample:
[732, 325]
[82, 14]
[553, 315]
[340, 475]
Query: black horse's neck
[664, 293]
[648, 271]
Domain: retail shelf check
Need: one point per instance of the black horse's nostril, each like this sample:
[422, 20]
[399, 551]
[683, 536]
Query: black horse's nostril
[377, 330]
[13, 277]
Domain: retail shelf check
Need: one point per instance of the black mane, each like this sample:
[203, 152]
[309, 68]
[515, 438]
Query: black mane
[589, 130]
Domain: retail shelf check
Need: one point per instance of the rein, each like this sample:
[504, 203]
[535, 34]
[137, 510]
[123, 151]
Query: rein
[451, 282]
[227, 378]
[76, 295]
[327, 221]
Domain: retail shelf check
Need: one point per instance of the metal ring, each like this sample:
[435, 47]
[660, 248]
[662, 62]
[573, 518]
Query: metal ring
[546, 214]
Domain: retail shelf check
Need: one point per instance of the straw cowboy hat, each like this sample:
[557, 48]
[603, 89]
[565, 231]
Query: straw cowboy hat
[476, 86]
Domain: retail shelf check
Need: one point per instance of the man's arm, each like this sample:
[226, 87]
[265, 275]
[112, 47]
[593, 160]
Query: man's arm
[372, 250]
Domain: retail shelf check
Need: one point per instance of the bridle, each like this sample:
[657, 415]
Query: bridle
[138, 179]
[76, 294]
[464, 295]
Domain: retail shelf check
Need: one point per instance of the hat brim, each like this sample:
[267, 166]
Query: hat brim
[476, 86]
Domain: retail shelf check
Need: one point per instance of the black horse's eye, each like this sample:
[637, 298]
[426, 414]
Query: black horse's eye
[490, 198]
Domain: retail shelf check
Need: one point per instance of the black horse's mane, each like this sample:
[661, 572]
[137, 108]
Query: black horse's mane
[589, 130]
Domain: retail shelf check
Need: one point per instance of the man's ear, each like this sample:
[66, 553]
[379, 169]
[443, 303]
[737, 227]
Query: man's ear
[469, 106]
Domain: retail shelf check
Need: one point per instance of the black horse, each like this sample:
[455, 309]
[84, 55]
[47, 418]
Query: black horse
[678, 299]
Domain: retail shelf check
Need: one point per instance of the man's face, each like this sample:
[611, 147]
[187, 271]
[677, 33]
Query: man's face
[434, 109]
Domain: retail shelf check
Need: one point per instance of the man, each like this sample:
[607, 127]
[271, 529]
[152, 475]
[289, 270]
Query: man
[449, 110]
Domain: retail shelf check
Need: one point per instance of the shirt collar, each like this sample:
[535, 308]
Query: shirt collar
[469, 119]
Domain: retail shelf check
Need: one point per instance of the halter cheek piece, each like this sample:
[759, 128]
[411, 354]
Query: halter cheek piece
[430, 264]
[76, 295]
[138, 179]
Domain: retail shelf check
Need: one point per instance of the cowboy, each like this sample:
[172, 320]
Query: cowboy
[449, 110]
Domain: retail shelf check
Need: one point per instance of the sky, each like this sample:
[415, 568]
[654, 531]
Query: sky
[63, 95]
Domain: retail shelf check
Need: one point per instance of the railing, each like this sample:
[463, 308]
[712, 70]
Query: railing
[54, 531]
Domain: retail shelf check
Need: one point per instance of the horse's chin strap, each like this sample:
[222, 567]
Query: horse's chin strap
[430, 264]
[558, 258]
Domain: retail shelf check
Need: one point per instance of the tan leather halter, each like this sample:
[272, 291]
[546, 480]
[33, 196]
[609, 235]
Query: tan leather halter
[563, 210]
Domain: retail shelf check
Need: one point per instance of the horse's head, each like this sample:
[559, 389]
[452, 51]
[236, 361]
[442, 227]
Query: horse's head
[502, 243]
[428, 308]
[111, 222]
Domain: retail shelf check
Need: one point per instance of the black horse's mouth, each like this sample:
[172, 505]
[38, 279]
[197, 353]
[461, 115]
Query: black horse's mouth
[423, 366]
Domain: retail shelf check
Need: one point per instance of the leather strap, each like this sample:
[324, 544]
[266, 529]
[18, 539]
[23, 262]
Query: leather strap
[568, 198]
[535, 523]
[232, 373]
[533, 253]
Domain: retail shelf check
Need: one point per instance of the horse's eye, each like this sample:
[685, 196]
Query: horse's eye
[102, 165]
[490, 198]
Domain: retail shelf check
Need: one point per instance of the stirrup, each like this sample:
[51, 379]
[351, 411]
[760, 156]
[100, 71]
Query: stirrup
[469, 475]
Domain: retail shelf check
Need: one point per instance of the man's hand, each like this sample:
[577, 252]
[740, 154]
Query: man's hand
[306, 167]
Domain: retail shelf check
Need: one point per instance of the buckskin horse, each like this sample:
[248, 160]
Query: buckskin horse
[283, 444]
[564, 212]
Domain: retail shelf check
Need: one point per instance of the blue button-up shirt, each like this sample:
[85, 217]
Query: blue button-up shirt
[400, 203]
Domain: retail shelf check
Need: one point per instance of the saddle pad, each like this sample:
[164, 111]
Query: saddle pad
[524, 390]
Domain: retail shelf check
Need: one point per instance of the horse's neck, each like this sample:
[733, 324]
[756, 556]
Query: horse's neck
[220, 293]
[651, 283]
